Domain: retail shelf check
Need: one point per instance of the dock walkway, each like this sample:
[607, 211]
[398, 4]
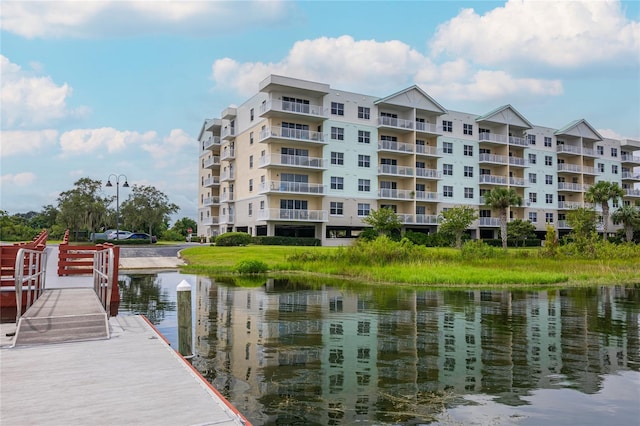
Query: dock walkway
[132, 378]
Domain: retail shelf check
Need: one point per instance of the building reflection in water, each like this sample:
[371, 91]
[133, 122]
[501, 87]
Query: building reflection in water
[287, 353]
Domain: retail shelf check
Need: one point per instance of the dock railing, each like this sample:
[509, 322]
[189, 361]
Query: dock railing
[30, 275]
[103, 275]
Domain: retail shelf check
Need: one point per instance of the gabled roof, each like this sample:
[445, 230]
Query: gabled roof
[413, 97]
[580, 128]
[506, 114]
[208, 125]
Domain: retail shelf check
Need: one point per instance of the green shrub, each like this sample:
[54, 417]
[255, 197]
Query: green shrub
[231, 239]
[170, 235]
[478, 249]
[368, 234]
[251, 266]
[418, 238]
[286, 241]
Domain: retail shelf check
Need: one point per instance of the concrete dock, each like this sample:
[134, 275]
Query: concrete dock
[134, 378]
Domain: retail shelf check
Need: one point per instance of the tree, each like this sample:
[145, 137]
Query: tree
[519, 230]
[629, 216]
[456, 220]
[601, 193]
[582, 222]
[182, 226]
[501, 199]
[146, 208]
[83, 207]
[384, 221]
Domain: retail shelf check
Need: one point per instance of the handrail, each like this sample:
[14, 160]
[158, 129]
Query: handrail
[103, 276]
[33, 273]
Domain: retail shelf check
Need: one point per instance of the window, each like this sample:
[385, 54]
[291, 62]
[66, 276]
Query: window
[364, 209]
[262, 205]
[447, 191]
[251, 161]
[364, 136]
[447, 169]
[614, 152]
[250, 138]
[548, 217]
[547, 141]
[548, 160]
[614, 169]
[600, 167]
[250, 209]
[467, 129]
[533, 197]
[336, 208]
[468, 150]
[533, 217]
[468, 193]
[531, 139]
[337, 133]
[468, 171]
[251, 114]
[337, 182]
[548, 198]
[533, 178]
[337, 158]
[600, 149]
[364, 113]
[337, 108]
[447, 147]
[447, 126]
[250, 185]
[548, 179]
[364, 185]
[364, 160]
[532, 159]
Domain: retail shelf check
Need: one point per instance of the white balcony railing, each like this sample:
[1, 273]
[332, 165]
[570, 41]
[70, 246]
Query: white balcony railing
[491, 158]
[293, 107]
[227, 218]
[211, 220]
[395, 146]
[571, 205]
[567, 186]
[292, 134]
[516, 181]
[492, 137]
[427, 150]
[630, 176]
[211, 162]
[568, 149]
[426, 219]
[227, 176]
[292, 187]
[489, 221]
[398, 123]
[632, 192]
[292, 161]
[428, 128]
[517, 161]
[628, 158]
[514, 140]
[427, 196]
[226, 197]
[573, 168]
[212, 142]
[211, 201]
[293, 215]
[396, 194]
[493, 179]
[387, 169]
[211, 181]
[428, 173]
[228, 154]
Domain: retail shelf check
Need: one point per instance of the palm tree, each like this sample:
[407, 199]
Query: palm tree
[501, 199]
[601, 193]
[629, 216]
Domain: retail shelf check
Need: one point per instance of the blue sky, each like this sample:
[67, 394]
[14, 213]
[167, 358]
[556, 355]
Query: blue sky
[94, 88]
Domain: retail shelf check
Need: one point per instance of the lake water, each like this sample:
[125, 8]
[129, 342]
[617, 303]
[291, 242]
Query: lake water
[288, 353]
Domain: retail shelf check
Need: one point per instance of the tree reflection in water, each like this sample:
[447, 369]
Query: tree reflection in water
[143, 294]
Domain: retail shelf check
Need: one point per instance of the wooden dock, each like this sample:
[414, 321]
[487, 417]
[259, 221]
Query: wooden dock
[124, 373]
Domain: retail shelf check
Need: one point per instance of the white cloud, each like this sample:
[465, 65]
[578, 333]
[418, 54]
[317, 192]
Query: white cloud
[176, 148]
[86, 141]
[26, 142]
[18, 179]
[141, 17]
[378, 68]
[29, 100]
[561, 34]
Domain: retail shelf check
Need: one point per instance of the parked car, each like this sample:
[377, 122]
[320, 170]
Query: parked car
[95, 236]
[142, 236]
[122, 235]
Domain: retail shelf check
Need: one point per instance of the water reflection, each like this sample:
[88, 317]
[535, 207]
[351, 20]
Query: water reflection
[290, 353]
[144, 294]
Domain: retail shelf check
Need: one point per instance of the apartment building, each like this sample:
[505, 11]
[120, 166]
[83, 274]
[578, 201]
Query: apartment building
[300, 158]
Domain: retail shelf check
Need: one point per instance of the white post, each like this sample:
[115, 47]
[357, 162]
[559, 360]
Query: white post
[185, 339]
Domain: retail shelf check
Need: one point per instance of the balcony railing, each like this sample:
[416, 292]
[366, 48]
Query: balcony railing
[405, 218]
[426, 219]
[568, 149]
[632, 192]
[228, 154]
[567, 186]
[589, 152]
[225, 197]
[428, 128]
[398, 123]
[293, 107]
[395, 146]
[228, 132]
[428, 173]
[628, 158]
[293, 215]
[563, 224]
[514, 140]
[227, 176]
[516, 181]
[387, 169]
[427, 196]
[212, 220]
[492, 137]
[490, 221]
[571, 168]
[211, 181]
[227, 218]
[396, 194]
[292, 187]
[211, 201]
[427, 150]
[211, 162]
[491, 158]
[493, 179]
[517, 162]
[292, 161]
[212, 142]
[571, 205]
[292, 134]
[630, 176]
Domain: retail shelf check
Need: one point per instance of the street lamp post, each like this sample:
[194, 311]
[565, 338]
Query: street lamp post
[124, 185]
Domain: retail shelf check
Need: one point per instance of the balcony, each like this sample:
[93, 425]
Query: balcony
[427, 150]
[405, 218]
[227, 219]
[395, 123]
[569, 168]
[492, 138]
[568, 149]
[211, 181]
[271, 134]
[588, 152]
[396, 194]
[575, 187]
[398, 147]
[227, 176]
[211, 221]
[572, 205]
[211, 162]
[563, 224]
[493, 159]
[493, 180]
[429, 128]
[493, 222]
[517, 181]
[427, 196]
[281, 187]
[387, 169]
[279, 108]
[513, 140]
[631, 176]
[426, 219]
[293, 215]
[226, 197]
[298, 161]
[228, 154]
[228, 133]
[212, 143]
[517, 162]
[211, 201]
[428, 174]
[632, 193]
[629, 159]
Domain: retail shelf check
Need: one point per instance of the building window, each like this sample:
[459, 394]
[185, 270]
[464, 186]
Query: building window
[447, 169]
[447, 191]
[364, 113]
[337, 108]
[533, 217]
[364, 160]
[533, 178]
[250, 138]
[533, 197]
[364, 209]
[532, 159]
[337, 133]
[251, 161]
[548, 198]
[447, 126]
[467, 129]
[262, 205]
[600, 149]
[337, 158]
[447, 147]
[336, 208]
[250, 185]
[614, 152]
[548, 160]
[364, 136]
[337, 182]
[548, 179]
[531, 139]
[468, 150]
[614, 169]
[250, 209]
[547, 141]
[251, 114]
[468, 171]
[601, 167]
[364, 185]
[468, 193]
[548, 217]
